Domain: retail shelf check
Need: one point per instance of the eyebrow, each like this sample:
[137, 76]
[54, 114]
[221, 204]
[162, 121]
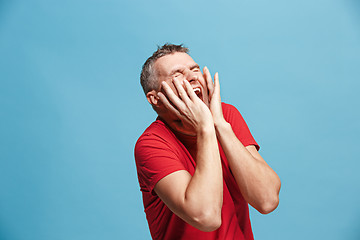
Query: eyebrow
[181, 69]
[194, 66]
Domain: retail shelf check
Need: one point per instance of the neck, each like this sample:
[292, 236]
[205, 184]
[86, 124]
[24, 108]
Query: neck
[178, 128]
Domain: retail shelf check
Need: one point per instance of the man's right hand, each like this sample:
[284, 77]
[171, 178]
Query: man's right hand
[187, 106]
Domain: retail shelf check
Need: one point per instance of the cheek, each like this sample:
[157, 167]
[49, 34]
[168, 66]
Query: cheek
[180, 77]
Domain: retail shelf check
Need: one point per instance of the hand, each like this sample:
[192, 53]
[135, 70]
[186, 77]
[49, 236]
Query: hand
[214, 96]
[188, 107]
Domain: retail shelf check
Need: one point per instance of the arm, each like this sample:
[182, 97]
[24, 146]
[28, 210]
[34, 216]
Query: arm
[196, 199]
[258, 183]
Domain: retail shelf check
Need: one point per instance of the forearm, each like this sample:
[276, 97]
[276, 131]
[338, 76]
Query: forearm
[258, 183]
[204, 194]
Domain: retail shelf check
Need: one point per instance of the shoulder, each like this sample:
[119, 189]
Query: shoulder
[228, 108]
[157, 154]
[226, 105]
[230, 112]
[238, 124]
[157, 131]
[156, 137]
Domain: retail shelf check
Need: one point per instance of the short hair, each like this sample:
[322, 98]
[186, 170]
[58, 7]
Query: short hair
[147, 76]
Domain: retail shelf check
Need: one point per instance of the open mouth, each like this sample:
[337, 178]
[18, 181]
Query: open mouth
[198, 93]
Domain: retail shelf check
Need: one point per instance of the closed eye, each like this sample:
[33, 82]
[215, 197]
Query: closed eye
[177, 74]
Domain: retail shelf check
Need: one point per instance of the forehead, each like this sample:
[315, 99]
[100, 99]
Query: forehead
[168, 63]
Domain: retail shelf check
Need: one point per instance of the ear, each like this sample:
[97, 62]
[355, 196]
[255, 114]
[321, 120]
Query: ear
[152, 98]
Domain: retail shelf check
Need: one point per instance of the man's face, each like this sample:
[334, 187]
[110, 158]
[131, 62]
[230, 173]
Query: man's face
[181, 66]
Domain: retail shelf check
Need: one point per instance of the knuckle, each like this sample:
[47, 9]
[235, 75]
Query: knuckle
[182, 109]
[190, 104]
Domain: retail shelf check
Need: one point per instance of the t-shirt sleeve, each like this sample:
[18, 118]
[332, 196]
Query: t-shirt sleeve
[239, 126]
[155, 159]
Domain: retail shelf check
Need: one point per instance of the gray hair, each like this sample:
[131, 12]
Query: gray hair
[148, 77]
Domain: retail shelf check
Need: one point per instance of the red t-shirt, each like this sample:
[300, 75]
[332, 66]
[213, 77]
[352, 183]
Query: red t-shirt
[159, 152]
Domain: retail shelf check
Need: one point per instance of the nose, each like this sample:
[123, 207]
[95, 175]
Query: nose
[191, 76]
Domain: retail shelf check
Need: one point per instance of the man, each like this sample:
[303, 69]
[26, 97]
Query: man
[198, 165]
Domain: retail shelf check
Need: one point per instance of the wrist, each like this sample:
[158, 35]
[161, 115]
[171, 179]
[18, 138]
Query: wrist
[206, 129]
[220, 123]
[221, 126]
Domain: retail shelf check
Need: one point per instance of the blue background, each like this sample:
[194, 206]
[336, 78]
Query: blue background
[71, 109]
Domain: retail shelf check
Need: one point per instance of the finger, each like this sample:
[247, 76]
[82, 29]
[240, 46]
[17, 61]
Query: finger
[181, 91]
[216, 83]
[178, 103]
[168, 105]
[190, 91]
[216, 94]
[209, 82]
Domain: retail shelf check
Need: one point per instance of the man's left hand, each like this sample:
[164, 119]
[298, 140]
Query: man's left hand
[213, 89]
